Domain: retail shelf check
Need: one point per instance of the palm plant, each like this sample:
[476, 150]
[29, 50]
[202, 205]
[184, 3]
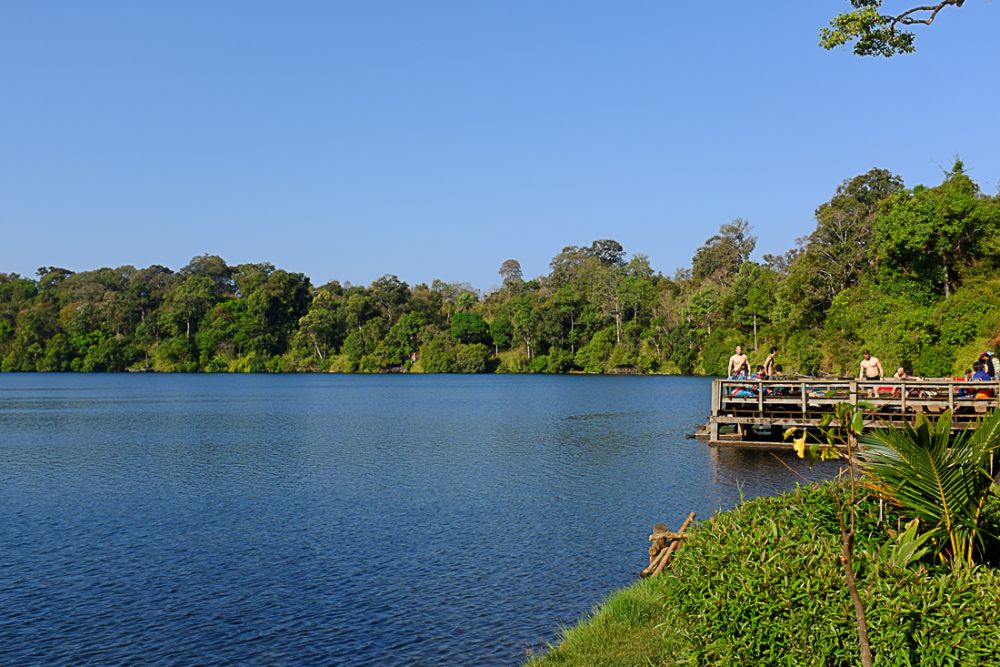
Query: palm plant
[940, 479]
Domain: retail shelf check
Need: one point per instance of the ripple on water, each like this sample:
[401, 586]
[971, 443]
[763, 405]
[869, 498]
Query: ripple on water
[336, 520]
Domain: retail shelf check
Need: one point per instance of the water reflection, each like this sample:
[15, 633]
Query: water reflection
[761, 472]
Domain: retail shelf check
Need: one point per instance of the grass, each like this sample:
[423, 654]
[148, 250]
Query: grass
[623, 631]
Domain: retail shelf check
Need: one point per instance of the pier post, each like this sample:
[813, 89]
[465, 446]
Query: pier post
[713, 423]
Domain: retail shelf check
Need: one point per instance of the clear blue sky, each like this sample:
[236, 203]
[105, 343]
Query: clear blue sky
[436, 139]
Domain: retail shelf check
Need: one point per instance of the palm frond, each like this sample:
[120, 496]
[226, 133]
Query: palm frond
[935, 477]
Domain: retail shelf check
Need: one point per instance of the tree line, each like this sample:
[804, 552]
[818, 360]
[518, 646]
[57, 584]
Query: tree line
[911, 273]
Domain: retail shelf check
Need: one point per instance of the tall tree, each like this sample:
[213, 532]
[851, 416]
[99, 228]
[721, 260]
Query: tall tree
[273, 309]
[189, 302]
[608, 252]
[839, 249]
[566, 265]
[720, 258]
[526, 322]
[215, 269]
[322, 326]
[933, 233]
[511, 274]
[389, 294]
[149, 287]
[753, 296]
[248, 277]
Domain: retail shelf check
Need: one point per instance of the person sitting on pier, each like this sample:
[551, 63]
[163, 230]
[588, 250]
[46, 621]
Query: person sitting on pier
[760, 375]
[745, 391]
[900, 375]
[986, 359]
[981, 375]
[960, 392]
[737, 373]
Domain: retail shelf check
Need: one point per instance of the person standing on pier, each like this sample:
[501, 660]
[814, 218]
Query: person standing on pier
[737, 361]
[871, 369]
[769, 363]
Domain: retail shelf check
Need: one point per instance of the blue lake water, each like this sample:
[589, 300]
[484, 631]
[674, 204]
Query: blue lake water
[324, 519]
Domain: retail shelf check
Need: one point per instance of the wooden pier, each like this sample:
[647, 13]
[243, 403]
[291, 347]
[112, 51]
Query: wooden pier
[756, 413]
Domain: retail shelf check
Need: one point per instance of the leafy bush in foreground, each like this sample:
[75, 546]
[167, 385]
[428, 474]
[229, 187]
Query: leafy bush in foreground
[761, 584]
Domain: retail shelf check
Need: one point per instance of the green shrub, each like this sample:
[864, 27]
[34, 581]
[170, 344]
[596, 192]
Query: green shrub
[437, 355]
[539, 363]
[622, 356]
[593, 357]
[560, 361]
[470, 328]
[442, 355]
[513, 361]
[762, 585]
[252, 362]
[471, 358]
[802, 353]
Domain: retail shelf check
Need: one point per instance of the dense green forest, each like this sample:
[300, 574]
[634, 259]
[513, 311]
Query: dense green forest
[913, 274]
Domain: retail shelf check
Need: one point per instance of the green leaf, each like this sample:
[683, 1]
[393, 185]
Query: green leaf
[858, 422]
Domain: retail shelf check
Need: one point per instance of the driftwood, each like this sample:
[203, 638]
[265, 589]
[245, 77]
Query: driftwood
[664, 551]
[653, 563]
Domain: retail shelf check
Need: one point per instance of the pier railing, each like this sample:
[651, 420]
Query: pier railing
[751, 404]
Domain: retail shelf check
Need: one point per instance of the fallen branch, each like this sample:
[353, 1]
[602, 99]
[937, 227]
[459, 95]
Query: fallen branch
[673, 545]
[658, 562]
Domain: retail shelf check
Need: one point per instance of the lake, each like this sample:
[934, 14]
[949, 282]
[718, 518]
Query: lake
[327, 519]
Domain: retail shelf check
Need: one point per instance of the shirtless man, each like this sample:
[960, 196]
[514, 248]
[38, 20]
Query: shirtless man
[736, 362]
[899, 376]
[871, 368]
[769, 363]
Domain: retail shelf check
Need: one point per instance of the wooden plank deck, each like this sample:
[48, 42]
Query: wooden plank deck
[757, 412]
